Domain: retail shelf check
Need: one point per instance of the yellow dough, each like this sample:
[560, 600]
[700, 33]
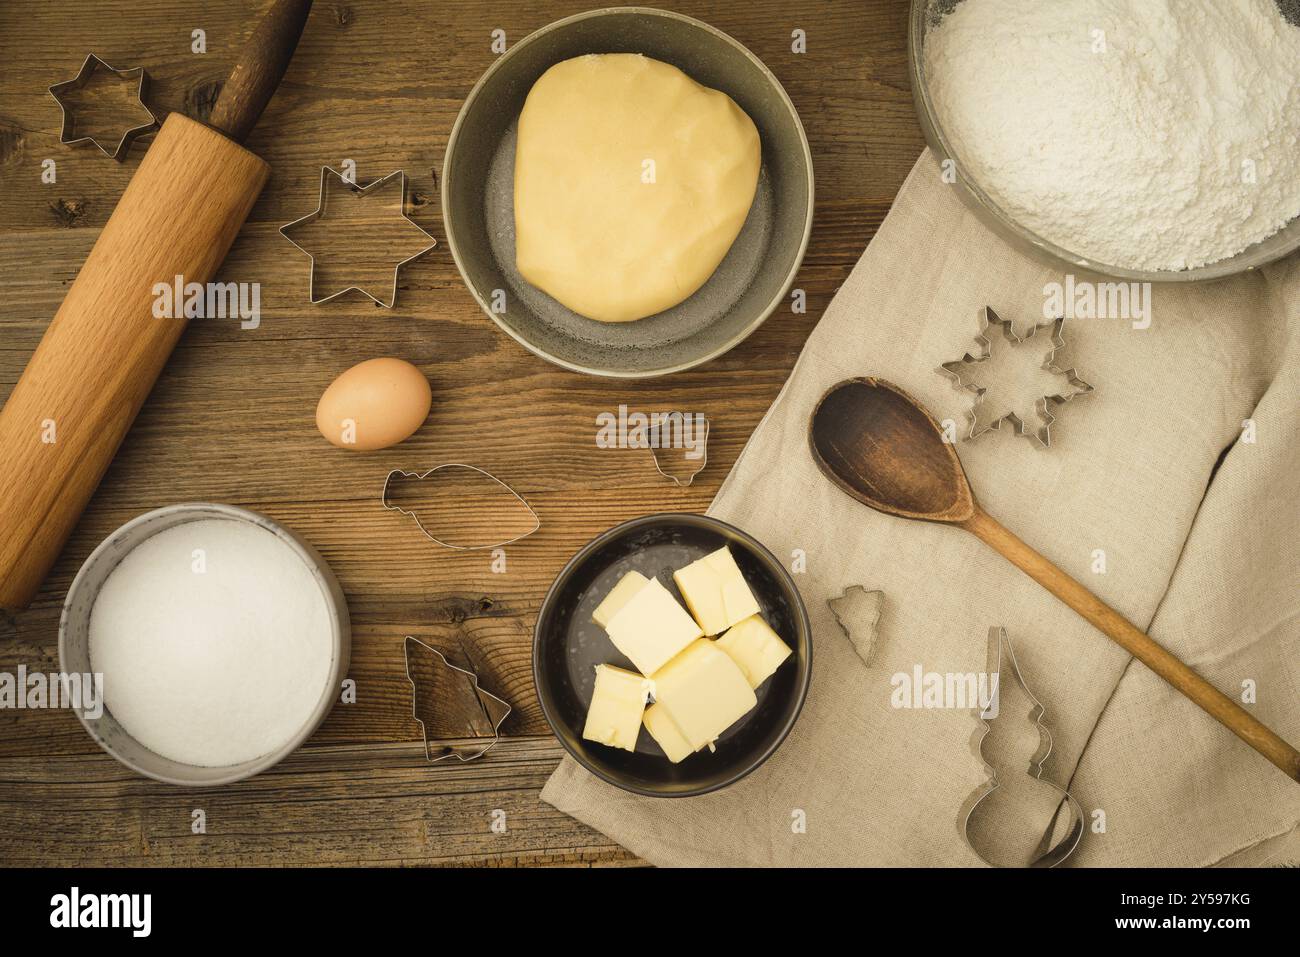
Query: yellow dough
[631, 183]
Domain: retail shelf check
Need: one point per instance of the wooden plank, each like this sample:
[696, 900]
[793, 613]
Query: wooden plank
[322, 806]
[381, 82]
[232, 418]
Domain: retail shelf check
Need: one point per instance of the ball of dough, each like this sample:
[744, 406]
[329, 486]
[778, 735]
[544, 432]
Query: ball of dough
[631, 183]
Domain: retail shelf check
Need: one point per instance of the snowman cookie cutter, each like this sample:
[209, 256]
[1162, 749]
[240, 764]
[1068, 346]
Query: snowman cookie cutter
[1048, 853]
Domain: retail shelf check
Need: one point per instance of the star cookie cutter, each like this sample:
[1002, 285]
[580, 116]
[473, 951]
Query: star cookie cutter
[89, 68]
[421, 476]
[1002, 661]
[360, 192]
[493, 710]
[1043, 434]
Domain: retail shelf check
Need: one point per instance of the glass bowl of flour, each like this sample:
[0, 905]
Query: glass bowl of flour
[221, 638]
[1146, 140]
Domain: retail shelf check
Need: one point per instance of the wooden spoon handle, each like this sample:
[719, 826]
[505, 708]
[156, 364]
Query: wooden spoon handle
[1136, 642]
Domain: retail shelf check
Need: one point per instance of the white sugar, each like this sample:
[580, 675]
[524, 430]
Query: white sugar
[214, 640]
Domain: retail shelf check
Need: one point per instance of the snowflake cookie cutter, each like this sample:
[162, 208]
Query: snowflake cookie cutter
[493, 709]
[1002, 662]
[360, 192]
[1043, 434]
[91, 66]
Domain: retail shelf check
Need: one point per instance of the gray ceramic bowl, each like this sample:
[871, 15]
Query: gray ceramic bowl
[567, 646]
[74, 643]
[925, 15]
[478, 199]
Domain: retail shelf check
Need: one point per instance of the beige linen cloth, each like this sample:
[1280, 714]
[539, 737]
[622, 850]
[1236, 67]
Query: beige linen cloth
[1207, 560]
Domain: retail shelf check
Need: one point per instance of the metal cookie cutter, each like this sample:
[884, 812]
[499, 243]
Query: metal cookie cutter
[421, 476]
[1048, 853]
[92, 65]
[1043, 434]
[857, 612]
[361, 192]
[492, 710]
[704, 447]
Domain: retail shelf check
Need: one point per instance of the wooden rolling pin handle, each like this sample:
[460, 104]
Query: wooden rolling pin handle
[104, 348]
[1136, 642]
[259, 69]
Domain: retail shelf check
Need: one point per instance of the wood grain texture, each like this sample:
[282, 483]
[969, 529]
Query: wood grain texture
[105, 347]
[232, 416]
[256, 75]
[379, 805]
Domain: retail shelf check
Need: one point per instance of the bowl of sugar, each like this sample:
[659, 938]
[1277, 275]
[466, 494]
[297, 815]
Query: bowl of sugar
[218, 640]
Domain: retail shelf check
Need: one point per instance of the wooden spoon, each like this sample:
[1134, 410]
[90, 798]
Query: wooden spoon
[883, 448]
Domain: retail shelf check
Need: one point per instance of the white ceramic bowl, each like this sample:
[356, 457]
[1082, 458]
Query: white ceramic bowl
[74, 642]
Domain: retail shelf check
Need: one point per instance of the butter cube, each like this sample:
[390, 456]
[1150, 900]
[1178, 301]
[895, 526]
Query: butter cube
[663, 730]
[617, 705]
[716, 592]
[618, 596]
[651, 627]
[704, 692]
[755, 647]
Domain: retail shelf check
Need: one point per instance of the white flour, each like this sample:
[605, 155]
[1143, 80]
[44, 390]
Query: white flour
[1147, 134]
[214, 667]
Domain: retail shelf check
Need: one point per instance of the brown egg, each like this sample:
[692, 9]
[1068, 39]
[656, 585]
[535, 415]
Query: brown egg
[373, 405]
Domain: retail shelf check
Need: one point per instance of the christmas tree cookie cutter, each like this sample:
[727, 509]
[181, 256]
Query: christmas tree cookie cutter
[1002, 663]
[857, 611]
[1044, 404]
[488, 714]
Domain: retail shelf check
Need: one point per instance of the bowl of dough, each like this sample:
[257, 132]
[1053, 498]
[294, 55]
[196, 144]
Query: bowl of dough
[1148, 141]
[628, 192]
[672, 655]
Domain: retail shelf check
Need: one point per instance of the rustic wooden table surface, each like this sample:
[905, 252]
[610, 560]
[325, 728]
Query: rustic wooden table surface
[231, 419]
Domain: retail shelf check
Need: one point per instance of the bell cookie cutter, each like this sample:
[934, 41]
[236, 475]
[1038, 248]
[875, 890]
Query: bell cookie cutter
[89, 68]
[421, 476]
[704, 453]
[1043, 433]
[494, 709]
[1001, 659]
[360, 191]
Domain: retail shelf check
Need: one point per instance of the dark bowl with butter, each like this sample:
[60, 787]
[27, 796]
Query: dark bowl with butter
[568, 645]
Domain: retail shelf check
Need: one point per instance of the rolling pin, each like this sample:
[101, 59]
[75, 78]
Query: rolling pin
[104, 349]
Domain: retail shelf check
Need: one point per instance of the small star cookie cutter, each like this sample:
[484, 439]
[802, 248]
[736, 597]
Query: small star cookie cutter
[1043, 434]
[89, 68]
[359, 191]
[421, 476]
[494, 711]
[1001, 661]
